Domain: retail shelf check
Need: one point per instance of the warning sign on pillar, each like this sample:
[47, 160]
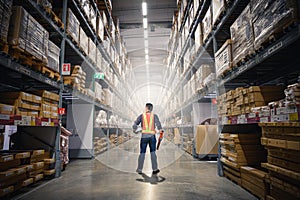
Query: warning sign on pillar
[66, 69]
[61, 111]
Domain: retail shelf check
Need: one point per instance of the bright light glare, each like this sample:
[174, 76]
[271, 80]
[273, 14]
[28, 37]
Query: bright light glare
[146, 43]
[144, 8]
[145, 34]
[145, 22]
[146, 51]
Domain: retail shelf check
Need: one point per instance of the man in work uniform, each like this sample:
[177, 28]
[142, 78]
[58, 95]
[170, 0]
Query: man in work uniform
[149, 121]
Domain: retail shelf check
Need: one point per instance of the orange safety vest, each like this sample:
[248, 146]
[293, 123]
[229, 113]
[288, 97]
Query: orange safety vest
[148, 127]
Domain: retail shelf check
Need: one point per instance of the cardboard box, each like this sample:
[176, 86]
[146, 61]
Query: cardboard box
[83, 41]
[218, 7]
[47, 95]
[22, 27]
[206, 139]
[72, 27]
[92, 50]
[5, 9]
[207, 24]
[22, 155]
[9, 164]
[242, 36]
[53, 56]
[7, 109]
[198, 36]
[223, 58]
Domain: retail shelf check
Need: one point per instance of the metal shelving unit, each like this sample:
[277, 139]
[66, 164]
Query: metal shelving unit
[270, 65]
[25, 78]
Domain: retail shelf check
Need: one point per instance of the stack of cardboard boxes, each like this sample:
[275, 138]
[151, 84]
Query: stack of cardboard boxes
[239, 150]
[21, 168]
[242, 100]
[77, 78]
[282, 142]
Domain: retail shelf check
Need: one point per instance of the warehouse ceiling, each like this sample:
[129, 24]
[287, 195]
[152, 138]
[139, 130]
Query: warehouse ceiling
[148, 79]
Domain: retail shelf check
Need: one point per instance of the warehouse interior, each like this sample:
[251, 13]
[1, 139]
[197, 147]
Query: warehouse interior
[77, 77]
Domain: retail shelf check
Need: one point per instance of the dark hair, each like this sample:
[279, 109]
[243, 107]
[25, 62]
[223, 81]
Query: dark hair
[149, 106]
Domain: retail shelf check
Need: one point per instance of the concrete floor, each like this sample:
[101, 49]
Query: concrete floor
[185, 178]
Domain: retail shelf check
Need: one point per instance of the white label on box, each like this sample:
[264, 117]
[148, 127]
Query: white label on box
[44, 123]
[264, 119]
[281, 110]
[5, 117]
[251, 115]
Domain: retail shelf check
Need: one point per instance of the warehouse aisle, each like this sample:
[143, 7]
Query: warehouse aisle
[186, 178]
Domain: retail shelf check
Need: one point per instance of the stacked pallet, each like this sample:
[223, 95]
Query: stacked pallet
[49, 165]
[270, 18]
[49, 104]
[282, 142]
[77, 79]
[239, 150]
[53, 56]
[223, 58]
[242, 36]
[24, 103]
[5, 9]
[72, 27]
[83, 42]
[255, 181]
[27, 38]
[21, 168]
[92, 51]
[100, 145]
[242, 100]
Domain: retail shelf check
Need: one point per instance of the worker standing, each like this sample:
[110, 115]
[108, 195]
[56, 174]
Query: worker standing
[149, 121]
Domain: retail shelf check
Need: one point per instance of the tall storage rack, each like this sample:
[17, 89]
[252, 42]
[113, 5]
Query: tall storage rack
[18, 76]
[274, 62]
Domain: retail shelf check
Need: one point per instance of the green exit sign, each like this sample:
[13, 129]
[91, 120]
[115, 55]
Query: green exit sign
[99, 76]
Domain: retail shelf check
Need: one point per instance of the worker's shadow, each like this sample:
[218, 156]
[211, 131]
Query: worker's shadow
[154, 179]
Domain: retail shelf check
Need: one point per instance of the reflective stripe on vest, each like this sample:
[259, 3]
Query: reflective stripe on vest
[148, 127]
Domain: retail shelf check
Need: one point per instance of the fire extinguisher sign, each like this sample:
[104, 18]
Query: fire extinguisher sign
[66, 69]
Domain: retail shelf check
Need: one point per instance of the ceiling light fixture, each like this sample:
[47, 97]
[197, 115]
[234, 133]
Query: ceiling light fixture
[144, 8]
[145, 23]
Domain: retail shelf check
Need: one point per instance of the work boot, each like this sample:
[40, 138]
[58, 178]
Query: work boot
[156, 171]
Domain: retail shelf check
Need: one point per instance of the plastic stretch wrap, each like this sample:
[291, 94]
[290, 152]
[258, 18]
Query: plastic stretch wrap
[207, 24]
[83, 41]
[242, 36]
[270, 16]
[92, 50]
[93, 19]
[5, 10]
[218, 6]
[27, 34]
[72, 26]
[53, 56]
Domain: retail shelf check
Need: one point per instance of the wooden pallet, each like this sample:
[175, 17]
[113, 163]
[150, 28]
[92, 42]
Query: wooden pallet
[24, 57]
[275, 35]
[244, 58]
[74, 40]
[55, 18]
[46, 71]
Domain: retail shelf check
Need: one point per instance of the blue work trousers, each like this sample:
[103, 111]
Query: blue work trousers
[143, 147]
